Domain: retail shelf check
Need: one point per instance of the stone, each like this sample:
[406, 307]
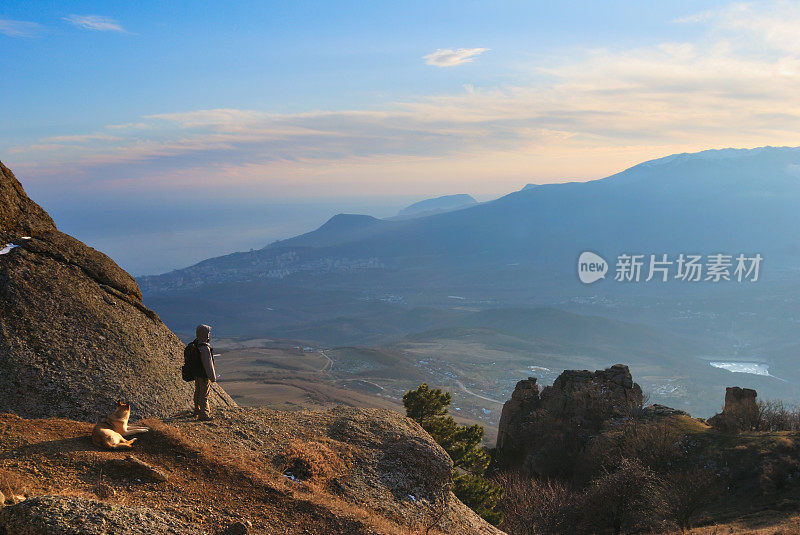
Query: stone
[19, 215]
[524, 401]
[737, 398]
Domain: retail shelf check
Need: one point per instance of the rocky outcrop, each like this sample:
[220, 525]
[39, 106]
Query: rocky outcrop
[579, 400]
[373, 457]
[517, 420]
[740, 411]
[656, 411]
[578, 394]
[67, 515]
[739, 399]
[74, 334]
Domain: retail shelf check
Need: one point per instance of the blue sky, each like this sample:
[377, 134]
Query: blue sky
[339, 101]
[287, 57]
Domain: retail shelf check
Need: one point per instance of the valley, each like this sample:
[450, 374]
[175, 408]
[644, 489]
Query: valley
[475, 298]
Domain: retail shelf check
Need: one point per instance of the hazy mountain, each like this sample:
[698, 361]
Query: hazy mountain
[356, 279]
[716, 201]
[340, 228]
[437, 205]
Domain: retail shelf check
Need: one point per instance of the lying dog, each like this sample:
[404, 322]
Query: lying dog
[110, 432]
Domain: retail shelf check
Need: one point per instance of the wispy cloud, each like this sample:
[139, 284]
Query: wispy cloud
[81, 138]
[445, 57]
[19, 28]
[589, 114]
[97, 23]
[127, 126]
[771, 25]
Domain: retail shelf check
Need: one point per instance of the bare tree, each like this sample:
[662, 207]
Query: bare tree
[687, 493]
[533, 507]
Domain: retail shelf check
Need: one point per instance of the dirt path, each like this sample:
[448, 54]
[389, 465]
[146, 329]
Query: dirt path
[328, 365]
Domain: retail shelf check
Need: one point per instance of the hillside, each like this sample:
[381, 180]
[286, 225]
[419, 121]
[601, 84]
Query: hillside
[340, 471]
[339, 229]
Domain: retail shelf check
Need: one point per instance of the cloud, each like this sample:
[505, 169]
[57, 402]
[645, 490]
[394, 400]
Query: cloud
[126, 126]
[769, 25]
[445, 57]
[19, 28]
[587, 115]
[80, 138]
[96, 23]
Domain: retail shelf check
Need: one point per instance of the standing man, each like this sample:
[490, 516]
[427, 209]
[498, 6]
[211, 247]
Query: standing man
[205, 374]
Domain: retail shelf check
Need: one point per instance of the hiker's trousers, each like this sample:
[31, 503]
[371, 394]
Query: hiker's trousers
[202, 388]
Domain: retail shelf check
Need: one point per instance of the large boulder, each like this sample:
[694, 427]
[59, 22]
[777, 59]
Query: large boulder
[374, 458]
[74, 334]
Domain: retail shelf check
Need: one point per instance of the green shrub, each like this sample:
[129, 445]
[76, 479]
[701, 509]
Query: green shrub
[462, 443]
[479, 494]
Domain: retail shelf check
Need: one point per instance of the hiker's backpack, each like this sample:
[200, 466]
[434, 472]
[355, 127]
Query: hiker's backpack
[192, 366]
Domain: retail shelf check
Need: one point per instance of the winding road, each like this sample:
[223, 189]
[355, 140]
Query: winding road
[471, 393]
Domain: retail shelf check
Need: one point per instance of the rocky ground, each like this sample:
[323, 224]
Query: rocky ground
[248, 471]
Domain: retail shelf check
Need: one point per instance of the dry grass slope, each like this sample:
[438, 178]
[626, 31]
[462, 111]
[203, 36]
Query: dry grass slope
[337, 471]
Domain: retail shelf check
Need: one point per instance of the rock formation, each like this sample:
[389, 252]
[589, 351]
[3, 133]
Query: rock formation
[740, 411]
[578, 399]
[740, 399]
[74, 334]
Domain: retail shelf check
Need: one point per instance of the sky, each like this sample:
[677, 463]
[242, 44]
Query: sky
[139, 107]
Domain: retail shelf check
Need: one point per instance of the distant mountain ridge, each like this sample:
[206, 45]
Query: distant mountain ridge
[728, 200]
[445, 203]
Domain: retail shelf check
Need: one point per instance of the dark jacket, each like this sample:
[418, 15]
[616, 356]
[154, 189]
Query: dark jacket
[206, 353]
